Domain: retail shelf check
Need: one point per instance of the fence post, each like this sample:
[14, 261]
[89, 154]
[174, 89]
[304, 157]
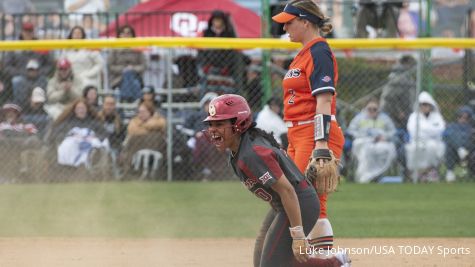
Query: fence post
[266, 54]
[2, 30]
[420, 64]
[169, 115]
[467, 61]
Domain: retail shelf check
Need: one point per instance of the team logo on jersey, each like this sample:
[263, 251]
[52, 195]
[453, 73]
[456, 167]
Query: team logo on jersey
[212, 110]
[326, 79]
[265, 177]
[250, 183]
[292, 73]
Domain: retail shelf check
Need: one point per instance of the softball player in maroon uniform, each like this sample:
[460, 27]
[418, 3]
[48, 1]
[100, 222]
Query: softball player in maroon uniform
[270, 174]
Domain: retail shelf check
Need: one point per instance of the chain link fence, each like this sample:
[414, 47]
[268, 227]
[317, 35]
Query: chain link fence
[135, 114]
[351, 19]
[390, 133]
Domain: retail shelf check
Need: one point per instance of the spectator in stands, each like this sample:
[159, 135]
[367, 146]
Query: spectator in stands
[126, 67]
[23, 85]
[380, 15]
[145, 131]
[149, 95]
[35, 112]
[425, 127]
[408, 22]
[219, 25]
[458, 141]
[87, 64]
[80, 7]
[76, 114]
[373, 147]
[54, 25]
[11, 123]
[90, 93]
[8, 27]
[77, 131]
[28, 31]
[155, 73]
[32, 156]
[6, 92]
[112, 123]
[17, 7]
[91, 27]
[15, 62]
[270, 120]
[223, 62]
[146, 121]
[15, 134]
[451, 16]
[63, 88]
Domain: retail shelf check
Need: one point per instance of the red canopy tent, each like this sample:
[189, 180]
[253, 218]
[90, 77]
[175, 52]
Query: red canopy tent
[184, 18]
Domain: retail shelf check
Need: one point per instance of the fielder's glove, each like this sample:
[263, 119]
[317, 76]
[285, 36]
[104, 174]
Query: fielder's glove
[323, 171]
[299, 244]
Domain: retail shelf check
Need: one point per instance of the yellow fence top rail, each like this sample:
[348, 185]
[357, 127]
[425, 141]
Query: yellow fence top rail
[234, 43]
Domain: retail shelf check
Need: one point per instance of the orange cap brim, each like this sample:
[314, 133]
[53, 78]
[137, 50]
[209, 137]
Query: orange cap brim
[283, 17]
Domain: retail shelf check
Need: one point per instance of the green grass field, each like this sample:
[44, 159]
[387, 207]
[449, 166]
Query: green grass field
[226, 209]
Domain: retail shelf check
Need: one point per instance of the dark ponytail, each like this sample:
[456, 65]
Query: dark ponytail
[256, 132]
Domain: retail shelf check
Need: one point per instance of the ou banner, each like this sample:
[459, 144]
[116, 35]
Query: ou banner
[187, 24]
[184, 18]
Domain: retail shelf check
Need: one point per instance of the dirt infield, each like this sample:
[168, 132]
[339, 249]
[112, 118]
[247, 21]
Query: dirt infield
[68, 252]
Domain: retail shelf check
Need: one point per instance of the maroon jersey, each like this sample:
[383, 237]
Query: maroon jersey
[259, 165]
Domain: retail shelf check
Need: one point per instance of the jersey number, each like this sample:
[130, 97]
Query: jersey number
[261, 193]
[292, 96]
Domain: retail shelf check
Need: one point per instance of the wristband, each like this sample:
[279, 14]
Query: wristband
[322, 127]
[297, 232]
[321, 154]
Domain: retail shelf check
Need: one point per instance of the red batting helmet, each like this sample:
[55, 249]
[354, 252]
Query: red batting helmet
[231, 106]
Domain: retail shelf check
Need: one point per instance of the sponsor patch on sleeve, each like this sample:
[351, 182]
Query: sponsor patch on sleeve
[326, 79]
[265, 177]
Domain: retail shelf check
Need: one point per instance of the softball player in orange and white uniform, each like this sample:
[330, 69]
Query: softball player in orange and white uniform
[310, 97]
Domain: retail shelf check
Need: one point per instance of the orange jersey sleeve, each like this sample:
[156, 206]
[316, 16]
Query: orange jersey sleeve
[314, 70]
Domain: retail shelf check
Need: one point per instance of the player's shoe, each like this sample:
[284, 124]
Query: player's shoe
[344, 259]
